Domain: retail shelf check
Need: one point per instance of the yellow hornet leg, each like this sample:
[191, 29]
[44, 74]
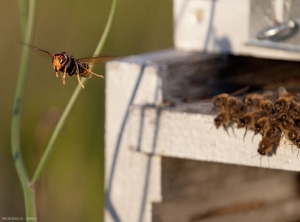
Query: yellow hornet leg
[78, 77]
[63, 77]
[56, 74]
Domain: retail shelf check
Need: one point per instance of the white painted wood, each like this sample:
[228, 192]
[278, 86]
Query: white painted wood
[132, 179]
[193, 136]
[139, 131]
[220, 26]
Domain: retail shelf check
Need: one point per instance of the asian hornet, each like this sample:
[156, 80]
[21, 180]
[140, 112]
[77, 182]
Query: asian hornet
[67, 64]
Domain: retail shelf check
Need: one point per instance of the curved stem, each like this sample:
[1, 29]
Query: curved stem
[27, 33]
[23, 16]
[78, 89]
[107, 29]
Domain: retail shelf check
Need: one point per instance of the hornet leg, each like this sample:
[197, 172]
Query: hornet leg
[78, 77]
[63, 77]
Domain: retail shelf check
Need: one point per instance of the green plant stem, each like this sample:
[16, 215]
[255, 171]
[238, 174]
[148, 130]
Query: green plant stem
[23, 16]
[50, 147]
[107, 29]
[27, 33]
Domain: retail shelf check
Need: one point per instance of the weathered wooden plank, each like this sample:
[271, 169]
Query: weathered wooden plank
[199, 191]
[201, 76]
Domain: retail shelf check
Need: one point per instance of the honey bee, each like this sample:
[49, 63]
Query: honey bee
[297, 142]
[266, 146]
[284, 123]
[236, 111]
[294, 112]
[254, 100]
[67, 64]
[267, 106]
[292, 133]
[285, 102]
[222, 119]
[263, 123]
[273, 132]
[294, 136]
[227, 101]
[232, 111]
[224, 100]
[282, 104]
[271, 139]
[248, 120]
[260, 125]
[233, 106]
[273, 118]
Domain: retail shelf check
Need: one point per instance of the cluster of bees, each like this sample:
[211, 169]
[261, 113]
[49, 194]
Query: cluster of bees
[273, 119]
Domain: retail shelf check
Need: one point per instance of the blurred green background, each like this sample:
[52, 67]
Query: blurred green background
[71, 187]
